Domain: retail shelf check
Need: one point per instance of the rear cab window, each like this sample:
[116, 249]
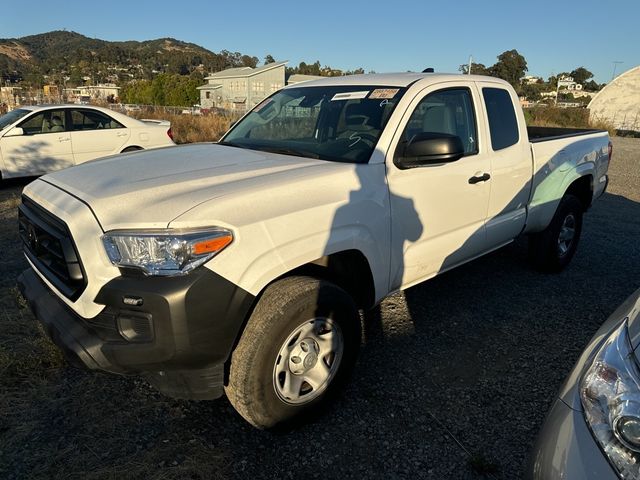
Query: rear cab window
[503, 125]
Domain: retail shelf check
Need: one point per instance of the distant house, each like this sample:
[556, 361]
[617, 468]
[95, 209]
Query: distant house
[568, 83]
[531, 79]
[241, 88]
[10, 96]
[87, 93]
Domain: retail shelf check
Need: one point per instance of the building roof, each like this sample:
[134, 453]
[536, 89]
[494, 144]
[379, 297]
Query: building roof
[244, 71]
[209, 86]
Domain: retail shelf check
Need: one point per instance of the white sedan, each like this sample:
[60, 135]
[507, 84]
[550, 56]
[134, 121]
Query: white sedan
[40, 139]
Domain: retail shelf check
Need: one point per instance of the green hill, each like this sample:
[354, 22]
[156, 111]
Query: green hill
[72, 56]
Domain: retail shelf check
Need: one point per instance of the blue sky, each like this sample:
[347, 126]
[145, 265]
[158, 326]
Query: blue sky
[381, 36]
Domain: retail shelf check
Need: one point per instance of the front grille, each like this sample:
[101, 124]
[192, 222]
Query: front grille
[47, 242]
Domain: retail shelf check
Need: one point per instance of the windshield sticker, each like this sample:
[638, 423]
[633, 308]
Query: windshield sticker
[349, 95]
[384, 93]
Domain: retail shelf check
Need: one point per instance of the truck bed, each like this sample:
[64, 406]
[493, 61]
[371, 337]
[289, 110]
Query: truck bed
[543, 134]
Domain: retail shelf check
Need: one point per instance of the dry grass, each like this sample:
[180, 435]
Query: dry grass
[565, 117]
[194, 128]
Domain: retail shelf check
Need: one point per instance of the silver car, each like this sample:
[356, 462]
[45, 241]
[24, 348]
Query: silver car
[593, 428]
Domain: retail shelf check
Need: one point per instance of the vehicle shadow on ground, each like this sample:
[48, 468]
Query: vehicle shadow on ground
[490, 342]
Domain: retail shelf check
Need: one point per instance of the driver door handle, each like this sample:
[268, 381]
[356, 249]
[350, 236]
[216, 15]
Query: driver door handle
[479, 178]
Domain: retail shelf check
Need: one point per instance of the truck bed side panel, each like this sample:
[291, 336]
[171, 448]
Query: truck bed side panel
[558, 163]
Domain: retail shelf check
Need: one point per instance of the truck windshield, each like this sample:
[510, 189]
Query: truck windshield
[12, 117]
[337, 123]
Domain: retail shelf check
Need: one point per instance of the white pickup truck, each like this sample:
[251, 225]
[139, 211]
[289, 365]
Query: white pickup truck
[240, 267]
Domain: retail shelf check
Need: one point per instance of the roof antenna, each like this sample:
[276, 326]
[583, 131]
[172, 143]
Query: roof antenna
[428, 70]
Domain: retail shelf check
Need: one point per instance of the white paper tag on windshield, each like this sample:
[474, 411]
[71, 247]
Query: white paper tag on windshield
[349, 95]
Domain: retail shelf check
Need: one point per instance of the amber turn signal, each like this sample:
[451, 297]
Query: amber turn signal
[211, 245]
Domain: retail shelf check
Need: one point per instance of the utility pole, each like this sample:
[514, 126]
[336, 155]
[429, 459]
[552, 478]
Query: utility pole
[470, 63]
[615, 66]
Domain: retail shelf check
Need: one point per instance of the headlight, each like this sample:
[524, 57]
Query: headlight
[610, 394]
[165, 252]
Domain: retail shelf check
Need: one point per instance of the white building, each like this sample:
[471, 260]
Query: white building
[86, 93]
[530, 79]
[241, 88]
[619, 102]
[568, 83]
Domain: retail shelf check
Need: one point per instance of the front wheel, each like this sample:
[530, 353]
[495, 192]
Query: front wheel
[552, 249]
[296, 351]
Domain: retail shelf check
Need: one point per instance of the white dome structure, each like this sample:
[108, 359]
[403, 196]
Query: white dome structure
[619, 102]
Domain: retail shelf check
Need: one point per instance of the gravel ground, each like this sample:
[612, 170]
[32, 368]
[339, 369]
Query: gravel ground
[454, 379]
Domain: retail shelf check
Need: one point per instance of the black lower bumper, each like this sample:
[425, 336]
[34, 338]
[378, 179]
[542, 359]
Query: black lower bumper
[178, 335]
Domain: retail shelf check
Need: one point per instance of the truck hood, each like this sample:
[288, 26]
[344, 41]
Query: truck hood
[149, 189]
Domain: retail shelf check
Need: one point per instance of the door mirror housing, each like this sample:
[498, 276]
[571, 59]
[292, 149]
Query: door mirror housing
[14, 132]
[429, 148]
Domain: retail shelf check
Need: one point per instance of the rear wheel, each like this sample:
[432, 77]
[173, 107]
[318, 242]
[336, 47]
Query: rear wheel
[552, 249]
[296, 351]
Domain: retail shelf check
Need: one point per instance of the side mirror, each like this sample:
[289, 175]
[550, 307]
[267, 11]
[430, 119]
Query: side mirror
[430, 149]
[14, 132]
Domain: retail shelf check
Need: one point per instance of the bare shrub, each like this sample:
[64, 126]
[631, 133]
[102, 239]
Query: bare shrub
[193, 128]
[565, 117]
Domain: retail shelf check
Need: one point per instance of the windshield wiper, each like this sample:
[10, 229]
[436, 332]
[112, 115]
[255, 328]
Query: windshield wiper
[266, 148]
[231, 144]
[289, 151]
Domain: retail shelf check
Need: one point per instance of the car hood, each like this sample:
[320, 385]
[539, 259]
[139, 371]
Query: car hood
[149, 189]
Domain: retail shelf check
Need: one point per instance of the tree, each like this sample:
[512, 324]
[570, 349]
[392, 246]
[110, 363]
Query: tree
[531, 91]
[511, 66]
[248, 61]
[476, 69]
[592, 86]
[269, 59]
[581, 75]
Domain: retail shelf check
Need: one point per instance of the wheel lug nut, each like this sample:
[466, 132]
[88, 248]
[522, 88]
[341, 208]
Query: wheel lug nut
[304, 346]
[296, 359]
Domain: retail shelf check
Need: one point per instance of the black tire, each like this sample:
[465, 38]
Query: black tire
[131, 149]
[547, 251]
[284, 307]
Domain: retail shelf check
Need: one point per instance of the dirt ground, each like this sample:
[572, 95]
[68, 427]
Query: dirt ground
[454, 379]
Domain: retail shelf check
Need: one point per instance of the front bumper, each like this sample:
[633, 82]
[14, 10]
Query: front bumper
[178, 338]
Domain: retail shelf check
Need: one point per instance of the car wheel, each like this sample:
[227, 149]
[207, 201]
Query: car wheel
[552, 249]
[296, 351]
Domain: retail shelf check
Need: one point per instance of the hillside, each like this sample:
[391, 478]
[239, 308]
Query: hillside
[72, 55]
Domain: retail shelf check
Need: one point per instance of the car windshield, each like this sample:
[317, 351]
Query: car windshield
[337, 123]
[12, 117]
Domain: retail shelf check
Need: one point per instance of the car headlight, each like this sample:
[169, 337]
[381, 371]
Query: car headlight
[610, 394]
[165, 252]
